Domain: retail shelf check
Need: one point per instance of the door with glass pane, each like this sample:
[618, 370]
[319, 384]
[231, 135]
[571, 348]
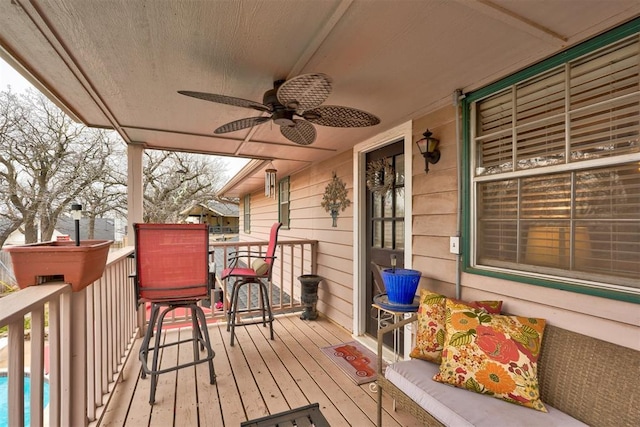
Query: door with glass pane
[385, 219]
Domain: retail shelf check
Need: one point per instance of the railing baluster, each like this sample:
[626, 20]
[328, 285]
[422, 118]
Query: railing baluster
[111, 348]
[101, 341]
[92, 376]
[16, 372]
[65, 359]
[54, 363]
[37, 366]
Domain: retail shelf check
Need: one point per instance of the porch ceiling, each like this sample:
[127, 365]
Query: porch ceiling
[119, 63]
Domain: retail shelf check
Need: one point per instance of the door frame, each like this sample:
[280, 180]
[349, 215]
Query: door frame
[404, 130]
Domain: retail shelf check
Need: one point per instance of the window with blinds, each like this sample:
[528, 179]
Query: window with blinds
[557, 171]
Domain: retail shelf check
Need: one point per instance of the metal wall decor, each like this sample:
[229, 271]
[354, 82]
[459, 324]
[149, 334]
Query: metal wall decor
[380, 176]
[335, 198]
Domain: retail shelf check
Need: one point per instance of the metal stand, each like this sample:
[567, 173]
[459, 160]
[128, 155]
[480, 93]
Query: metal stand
[386, 317]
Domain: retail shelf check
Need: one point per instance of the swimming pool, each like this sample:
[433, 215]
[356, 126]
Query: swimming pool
[4, 399]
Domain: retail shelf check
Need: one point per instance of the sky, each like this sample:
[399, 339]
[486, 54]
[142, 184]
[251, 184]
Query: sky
[10, 77]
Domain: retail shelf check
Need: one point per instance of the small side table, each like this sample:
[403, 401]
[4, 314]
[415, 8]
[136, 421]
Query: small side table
[390, 313]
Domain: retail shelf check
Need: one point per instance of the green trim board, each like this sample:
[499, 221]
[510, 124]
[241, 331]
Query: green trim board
[555, 284]
[626, 30]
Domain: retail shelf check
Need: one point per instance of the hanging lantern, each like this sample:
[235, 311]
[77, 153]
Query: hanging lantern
[270, 182]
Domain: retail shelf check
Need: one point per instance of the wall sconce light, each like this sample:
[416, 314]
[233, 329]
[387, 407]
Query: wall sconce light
[428, 147]
[270, 182]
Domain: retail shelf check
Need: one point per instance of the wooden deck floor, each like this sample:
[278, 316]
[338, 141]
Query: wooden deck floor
[256, 377]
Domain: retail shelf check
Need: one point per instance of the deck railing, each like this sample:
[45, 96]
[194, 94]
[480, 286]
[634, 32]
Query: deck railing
[80, 341]
[293, 258]
[14, 309]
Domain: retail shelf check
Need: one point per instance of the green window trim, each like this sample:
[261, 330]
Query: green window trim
[622, 293]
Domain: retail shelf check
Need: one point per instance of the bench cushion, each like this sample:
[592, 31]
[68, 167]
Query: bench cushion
[458, 407]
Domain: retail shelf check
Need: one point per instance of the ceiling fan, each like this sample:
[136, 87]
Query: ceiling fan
[294, 105]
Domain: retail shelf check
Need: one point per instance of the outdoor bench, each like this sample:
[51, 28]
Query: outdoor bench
[583, 380]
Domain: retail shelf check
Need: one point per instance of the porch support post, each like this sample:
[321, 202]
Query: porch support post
[135, 207]
[134, 189]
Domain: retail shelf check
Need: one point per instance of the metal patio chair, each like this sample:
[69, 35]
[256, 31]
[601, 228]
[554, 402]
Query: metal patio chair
[258, 271]
[172, 272]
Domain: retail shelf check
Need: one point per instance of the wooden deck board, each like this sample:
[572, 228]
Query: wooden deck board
[209, 402]
[340, 388]
[252, 401]
[277, 360]
[231, 410]
[265, 381]
[116, 412]
[163, 409]
[185, 403]
[256, 377]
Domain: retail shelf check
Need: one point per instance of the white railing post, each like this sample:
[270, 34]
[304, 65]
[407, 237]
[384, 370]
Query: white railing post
[78, 372]
[54, 363]
[37, 366]
[65, 360]
[16, 372]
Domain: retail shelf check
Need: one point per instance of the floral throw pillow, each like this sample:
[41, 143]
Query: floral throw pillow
[492, 354]
[431, 315]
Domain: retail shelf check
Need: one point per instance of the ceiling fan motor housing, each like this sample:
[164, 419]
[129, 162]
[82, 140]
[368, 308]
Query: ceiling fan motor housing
[281, 115]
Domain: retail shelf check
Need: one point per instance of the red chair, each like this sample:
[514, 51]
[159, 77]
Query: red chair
[172, 272]
[259, 272]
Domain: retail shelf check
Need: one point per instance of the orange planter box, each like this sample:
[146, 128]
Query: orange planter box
[60, 261]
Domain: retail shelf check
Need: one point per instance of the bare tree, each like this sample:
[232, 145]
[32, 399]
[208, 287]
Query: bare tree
[46, 162]
[107, 197]
[10, 117]
[175, 181]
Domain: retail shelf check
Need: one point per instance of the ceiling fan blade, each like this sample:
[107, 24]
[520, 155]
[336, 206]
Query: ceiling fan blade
[241, 124]
[302, 132]
[341, 117]
[229, 100]
[305, 91]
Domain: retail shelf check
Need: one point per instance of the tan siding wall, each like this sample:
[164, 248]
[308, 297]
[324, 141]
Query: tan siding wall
[435, 203]
[310, 221]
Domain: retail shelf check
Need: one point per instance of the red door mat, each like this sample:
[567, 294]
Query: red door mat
[358, 362]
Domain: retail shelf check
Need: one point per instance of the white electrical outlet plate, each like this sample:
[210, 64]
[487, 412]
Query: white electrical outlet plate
[454, 245]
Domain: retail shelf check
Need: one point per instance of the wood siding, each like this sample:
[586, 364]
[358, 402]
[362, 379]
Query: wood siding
[435, 204]
[434, 220]
[310, 221]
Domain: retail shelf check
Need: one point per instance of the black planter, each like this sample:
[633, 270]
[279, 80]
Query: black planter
[309, 295]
